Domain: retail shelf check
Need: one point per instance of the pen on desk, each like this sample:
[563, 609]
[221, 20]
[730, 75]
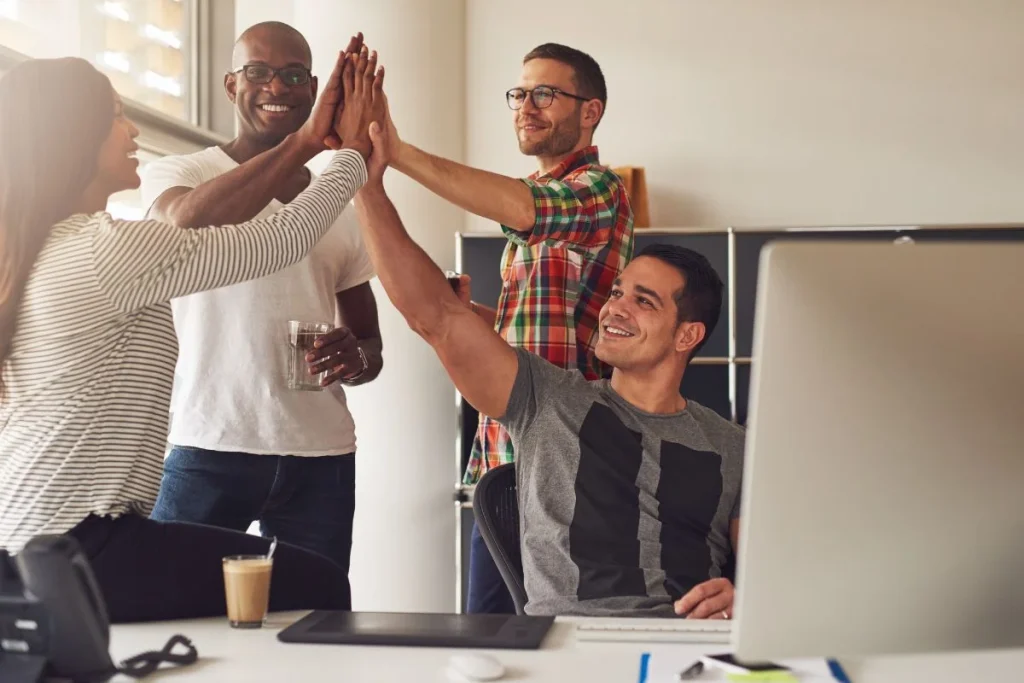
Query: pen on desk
[691, 672]
[837, 670]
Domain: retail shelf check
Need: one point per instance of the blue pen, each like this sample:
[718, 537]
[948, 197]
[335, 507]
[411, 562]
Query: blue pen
[645, 662]
[837, 671]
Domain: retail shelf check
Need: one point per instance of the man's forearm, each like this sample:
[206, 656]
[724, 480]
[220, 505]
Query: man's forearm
[240, 194]
[499, 198]
[489, 314]
[413, 282]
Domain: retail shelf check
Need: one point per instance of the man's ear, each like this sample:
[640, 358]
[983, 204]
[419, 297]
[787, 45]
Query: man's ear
[230, 86]
[592, 112]
[313, 85]
[689, 336]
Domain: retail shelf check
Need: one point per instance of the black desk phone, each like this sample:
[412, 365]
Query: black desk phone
[53, 619]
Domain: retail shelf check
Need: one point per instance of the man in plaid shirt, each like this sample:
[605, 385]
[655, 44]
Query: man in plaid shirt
[570, 233]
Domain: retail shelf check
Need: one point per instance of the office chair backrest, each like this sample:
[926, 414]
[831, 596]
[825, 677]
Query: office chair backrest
[496, 509]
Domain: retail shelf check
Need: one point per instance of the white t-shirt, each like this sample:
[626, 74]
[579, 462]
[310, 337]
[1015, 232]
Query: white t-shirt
[230, 391]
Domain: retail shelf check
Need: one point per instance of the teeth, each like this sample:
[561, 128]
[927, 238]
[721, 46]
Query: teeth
[275, 107]
[617, 332]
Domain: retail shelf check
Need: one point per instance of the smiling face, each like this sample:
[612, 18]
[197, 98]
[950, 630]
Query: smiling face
[269, 112]
[639, 324]
[117, 167]
[564, 126]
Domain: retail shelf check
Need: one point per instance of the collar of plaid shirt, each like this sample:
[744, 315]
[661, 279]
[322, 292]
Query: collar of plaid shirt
[587, 155]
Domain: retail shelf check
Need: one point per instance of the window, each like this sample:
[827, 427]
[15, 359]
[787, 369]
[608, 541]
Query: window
[144, 46]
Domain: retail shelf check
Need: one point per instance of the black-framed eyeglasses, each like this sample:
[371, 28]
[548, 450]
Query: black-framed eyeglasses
[261, 74]
[542, 96]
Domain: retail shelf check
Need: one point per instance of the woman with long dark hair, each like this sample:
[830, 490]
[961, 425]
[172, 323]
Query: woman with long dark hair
[87, 342]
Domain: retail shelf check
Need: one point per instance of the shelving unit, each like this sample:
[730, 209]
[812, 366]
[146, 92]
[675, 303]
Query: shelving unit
[719, 377]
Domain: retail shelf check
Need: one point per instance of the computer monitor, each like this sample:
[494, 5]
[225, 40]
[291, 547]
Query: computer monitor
[883, 501]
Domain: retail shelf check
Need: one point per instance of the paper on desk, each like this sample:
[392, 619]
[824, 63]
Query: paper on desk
[664, 663]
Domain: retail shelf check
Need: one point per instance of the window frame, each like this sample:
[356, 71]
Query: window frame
[212, 116]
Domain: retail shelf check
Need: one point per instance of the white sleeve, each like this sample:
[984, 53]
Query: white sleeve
[140, 263]
[163, 174]
[356, 267]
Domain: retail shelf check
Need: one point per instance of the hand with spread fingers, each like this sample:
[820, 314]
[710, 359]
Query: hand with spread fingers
[380, 133]
[360, 80]
[709, 600]
[394, 142]
[319, 127]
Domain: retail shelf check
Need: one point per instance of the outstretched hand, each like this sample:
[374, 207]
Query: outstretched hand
[391, 133]
[360, 80]
[378, 161]
[318, 130]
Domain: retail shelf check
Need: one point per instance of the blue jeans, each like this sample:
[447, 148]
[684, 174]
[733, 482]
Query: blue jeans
[305, 501]
[487, 591]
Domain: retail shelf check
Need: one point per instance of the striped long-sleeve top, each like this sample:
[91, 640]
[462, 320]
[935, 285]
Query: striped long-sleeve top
[83, 418]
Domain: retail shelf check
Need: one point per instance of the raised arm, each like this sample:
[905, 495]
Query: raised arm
[580, 211]
[480, 363]
[140, 263]
[463, 290]
[491, 195]
[243, 192]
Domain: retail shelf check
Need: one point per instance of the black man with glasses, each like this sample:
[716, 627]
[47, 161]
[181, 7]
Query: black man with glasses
[245, 446]
[569, 228]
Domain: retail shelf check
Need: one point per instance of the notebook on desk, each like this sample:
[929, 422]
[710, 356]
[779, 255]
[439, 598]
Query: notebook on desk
[493, 631]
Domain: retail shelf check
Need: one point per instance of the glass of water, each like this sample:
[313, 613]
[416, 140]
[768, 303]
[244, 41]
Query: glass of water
[301, 336]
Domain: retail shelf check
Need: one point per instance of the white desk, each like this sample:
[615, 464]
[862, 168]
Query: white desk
[228, 654]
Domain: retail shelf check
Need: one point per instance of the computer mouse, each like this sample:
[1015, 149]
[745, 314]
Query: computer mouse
[474, 667]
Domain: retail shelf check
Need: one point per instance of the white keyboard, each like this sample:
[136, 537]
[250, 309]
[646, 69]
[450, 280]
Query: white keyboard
[654, 630]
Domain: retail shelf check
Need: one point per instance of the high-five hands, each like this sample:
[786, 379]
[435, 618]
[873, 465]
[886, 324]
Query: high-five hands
[318, 131]
[362, 86]
[352, 98]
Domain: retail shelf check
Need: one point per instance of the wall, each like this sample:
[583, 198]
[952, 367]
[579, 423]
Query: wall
[403, 556]
[221, 114]
[249, 12]
[783, 112]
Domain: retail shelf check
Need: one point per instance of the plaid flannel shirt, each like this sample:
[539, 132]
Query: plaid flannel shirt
[557, 276]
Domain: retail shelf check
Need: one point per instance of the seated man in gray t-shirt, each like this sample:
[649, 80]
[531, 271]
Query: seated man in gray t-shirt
[622, 510]
[629, 493]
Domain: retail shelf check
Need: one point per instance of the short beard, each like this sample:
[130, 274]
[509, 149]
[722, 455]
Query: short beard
[562, 139]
